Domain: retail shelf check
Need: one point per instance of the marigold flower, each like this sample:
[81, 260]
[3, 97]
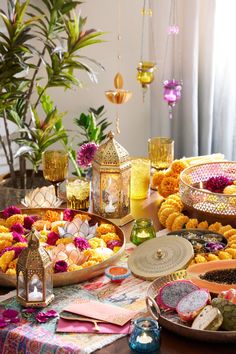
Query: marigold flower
[212, 257]
[16, 218]
[4, 229]
[68, 214]
[192, 224]
[200, 259]
[171, 218]
[74, 267]
[224, 255]
[114, 245]
[81, 243]
[64, 241]
[169, 185]
[179, 222]
[97, 242]
[18, 238]
[28, 221]
[225, 228]
[178, 166]
[52, 238]
[164, 213]
[40, 225]
[5, 259]
[158, 177]
[51, 216]
[215, 227]
[105, 228]
[4, 244]
[82, 217]
[203, 225]
[231, 251]
[110, 236]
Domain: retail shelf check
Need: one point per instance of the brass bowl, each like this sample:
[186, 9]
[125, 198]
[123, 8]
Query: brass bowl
[78, 276]
[204, 204]
[172, 323]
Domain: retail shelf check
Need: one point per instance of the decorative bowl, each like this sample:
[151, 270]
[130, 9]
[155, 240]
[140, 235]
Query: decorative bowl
[203, 204]
[171, 320]
[73, 277]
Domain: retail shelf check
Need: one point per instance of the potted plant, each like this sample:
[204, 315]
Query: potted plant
[40, 48]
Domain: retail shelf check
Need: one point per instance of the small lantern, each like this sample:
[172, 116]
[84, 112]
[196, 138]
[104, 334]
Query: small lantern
[111, 180]
[34, 275]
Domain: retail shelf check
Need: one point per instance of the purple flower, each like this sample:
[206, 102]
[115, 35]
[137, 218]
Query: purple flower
[86, 154]
[52, 238]
[12, 248]
[217, 184]
[81, 243]
[3, 323]
[68, 215]
[18, 238]
[11, 315]
[114, 243]
[11, 210]
[60, 267]
[18, 228]
[43, 317]
[29, 310]
[28, 221]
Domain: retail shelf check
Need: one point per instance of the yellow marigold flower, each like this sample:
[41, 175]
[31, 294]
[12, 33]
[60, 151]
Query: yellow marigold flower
[64, 241]
[231, 251]
[179, 222]
[203, 225]
[12, 264]
[215, 227]
[11, 271]
[232, 239]
[5, 259]
[82, 217]
[16, 218]
[105, 229]
[174, 196]
[4, 229]
[4, 244]
[200, 259]
[74, 267]
[178, 205]
[169, 185]
[178, 166]
[20, 244]
[89, 264]
[230, 189]
[89, 253]
[232, 245]
[228, 234]
[192, 224]
[164, 213]
[170, 219]
[97, 242]
[52, 216]
[7, 236]
[171, 173]
[223, 229]
[39, 225]
[212, 257]
[158, 177]
[110, 236]
[224, 255]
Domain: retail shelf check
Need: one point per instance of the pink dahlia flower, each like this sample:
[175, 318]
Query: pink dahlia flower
[86, 154]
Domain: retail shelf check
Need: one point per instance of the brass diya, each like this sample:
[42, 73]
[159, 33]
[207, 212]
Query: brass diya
[119, 95]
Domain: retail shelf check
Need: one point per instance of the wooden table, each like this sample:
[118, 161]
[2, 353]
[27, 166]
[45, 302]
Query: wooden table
[170, 342]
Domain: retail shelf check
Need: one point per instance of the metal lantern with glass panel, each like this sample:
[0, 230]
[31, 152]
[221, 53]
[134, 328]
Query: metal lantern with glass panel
[111, 181]
[34, 274]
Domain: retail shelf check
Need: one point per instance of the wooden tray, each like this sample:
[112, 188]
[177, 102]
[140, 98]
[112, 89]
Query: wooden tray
[172, 323]
[78, 276]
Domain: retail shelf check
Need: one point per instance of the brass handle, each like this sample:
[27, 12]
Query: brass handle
[153, 308]
[159, 254]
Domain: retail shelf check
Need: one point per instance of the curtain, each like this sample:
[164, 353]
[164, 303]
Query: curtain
[204, 120]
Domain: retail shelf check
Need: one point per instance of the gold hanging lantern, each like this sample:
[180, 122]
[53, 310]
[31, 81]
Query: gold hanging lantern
[34, 275]
[146, 73]
[111, 181]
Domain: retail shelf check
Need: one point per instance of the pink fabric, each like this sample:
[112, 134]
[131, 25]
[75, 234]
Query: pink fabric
[88, 327]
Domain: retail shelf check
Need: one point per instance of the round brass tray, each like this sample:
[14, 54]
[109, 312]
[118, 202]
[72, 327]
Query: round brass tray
[78, 276]
[172, 323]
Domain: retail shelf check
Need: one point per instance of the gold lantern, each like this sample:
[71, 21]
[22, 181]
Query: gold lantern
[111, 181]
[34, 275]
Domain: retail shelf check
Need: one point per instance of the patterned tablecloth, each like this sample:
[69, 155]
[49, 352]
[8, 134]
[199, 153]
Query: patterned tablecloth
[29, 336]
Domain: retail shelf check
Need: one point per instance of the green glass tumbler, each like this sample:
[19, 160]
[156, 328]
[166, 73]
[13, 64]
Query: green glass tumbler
[142, 230]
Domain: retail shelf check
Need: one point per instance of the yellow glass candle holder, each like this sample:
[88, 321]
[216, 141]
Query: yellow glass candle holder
[161, 152]
[78, 193]
[140, 178]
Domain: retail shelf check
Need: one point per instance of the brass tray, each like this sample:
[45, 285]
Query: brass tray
[173, 323]
[78, 276]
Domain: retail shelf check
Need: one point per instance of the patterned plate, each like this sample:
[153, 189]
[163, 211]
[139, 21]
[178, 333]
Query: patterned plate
[160, 256]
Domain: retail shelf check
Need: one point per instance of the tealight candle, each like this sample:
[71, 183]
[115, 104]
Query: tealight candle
[145, 336]
[143, 230]
[35, 295]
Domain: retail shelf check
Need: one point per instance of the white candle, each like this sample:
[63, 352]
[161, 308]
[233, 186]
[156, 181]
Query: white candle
[143, 234]
[61, 218]
[144, 339]
[44, 227]
[201, 185]
[35, 295]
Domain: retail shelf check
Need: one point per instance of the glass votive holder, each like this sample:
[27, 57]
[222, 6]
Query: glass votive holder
[145, 336]
[161, 152]
[78, 193]
[140, 178]
[142, 230]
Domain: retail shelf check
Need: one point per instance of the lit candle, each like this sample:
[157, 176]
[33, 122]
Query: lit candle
[143, 234]
[144, 339]
[61, 218]
[44, 227]
[35, 295]
[201, 185]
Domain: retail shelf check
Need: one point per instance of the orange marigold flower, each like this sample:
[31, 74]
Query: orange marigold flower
[82, 217]
[4, 244]
[52, 216]
[169, 185]
[158, 177]
[225, 228]
[4, 229]
[39, 225]
[179, 222]
[215, 227]
[171, 218]
[16, 218]
[203, 225]
[105, 228]
[110, 236]
[178, 166]
[192, 224]
[164, 213]
[64, 241]
[5, 259]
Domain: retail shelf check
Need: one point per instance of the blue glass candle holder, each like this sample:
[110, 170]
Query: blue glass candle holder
[145, 336]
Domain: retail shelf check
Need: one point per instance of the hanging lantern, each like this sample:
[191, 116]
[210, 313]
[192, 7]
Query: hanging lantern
[147, 67]
[111, 180]
[173, 85]
[34, 275]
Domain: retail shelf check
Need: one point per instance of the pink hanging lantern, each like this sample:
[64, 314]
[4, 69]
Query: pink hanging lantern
[172, 93]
